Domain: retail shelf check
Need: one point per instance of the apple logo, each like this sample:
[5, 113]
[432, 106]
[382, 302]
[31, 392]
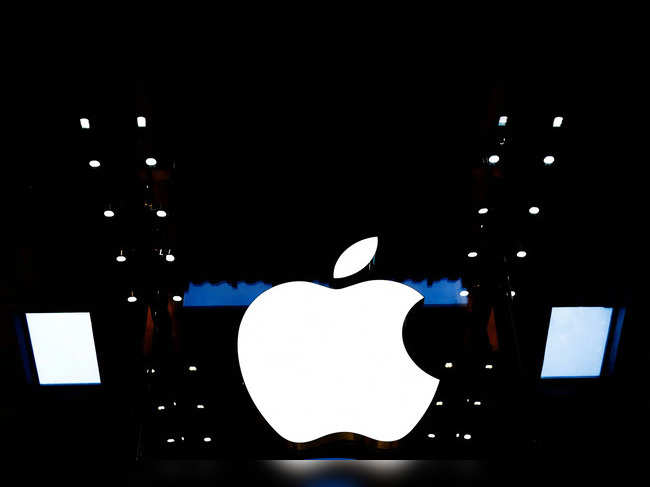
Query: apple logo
[318, 361]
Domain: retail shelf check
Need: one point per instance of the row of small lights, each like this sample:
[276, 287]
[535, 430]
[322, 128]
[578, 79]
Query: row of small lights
[450, 365]
[162, 407]
[466, 436]
[109, 213]
[191, 368]
[206, 439]
[548, 160]
[533, 210]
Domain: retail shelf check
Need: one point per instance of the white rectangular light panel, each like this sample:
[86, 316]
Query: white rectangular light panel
[503, 120]
[557, 122]
[575, 345]
[64, 348]
[85, 123]
[142, 122]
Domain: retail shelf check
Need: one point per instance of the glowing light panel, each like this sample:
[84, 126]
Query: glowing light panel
[575, 344]
[64, 348]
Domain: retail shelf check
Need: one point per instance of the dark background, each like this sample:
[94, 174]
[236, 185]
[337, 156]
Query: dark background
[268, 171]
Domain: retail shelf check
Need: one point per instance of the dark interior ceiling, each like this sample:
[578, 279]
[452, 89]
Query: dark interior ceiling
[268, 173]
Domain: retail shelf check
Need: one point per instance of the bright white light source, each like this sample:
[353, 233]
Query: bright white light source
[464, 293]
[200, 406]
[548, 160]
[94, 163]
[177, 298]
[503, 120]
[142, 122]
[121, 258]
[493, 159]
[207, 439]
[85, 123]
[575, 344]
[150, 161]
[373, 388]
[521, 254]
[192, 368]
[170, 440]
[431, 435]
[488, 366]
[449, 365]
[457, 435]
[355, 257]
[513, 294]
[439, 403]
[109, 213]
[64, 348]
[557, 121]
[161, 213]
[477, 403]
[472, 254]
[533, 210]
[482, 211]
[131, 299]
[467, 436]
[161, 408]
[170, 258]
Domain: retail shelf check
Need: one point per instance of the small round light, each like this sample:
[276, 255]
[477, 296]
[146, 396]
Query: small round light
[200, 406]
[464, 293]
[170, 258]
[85, 123]
[457, 435]
[161, 408]
[161, 213]
[431, 435]
[477, 403]
[548, 160]
[177, 298]
[109, 213]
[488, 366]
[472, 254]
[467, 436]
[207, 439]
[449, 365]
[131, 299]
[192, 368]
[482, 211]
[533, 210]
[150, 161]
[521, 254]
[439, 403]
[513, 294]
[142, 121]
[121, 258]
[94, 163]
[493, 159]
[170, 440]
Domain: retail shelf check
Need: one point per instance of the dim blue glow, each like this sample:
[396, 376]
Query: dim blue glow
[439, 293]
[64, 348]
[575, 345]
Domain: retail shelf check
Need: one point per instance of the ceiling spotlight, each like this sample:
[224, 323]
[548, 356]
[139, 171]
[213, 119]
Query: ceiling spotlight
[132, 298]
[439, 403]
[150, 161]
[161, 213]
[503, 120]
[464, 293]
[153, 371]
[449, 365]
[512, 294]
[200, 406]
[557, 121]
[192, 368]
[161, 408]
[457, 435]
[207, 439]
[109, 213]
[521, 254]
[482, 211]
[121, 257]
[472, 254]
[142, 122]
[170, 440]
[170, 257]
[467, 436]
[493, 159]
[85, 123]
[548, 160]
[177, 298]
[431, 435]
[533, 210]
[477, 403]
[488, 366]
[94, 163]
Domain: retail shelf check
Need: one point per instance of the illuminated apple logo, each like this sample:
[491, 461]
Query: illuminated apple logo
[318, 361]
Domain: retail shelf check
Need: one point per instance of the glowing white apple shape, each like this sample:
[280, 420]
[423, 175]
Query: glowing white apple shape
[318, 361]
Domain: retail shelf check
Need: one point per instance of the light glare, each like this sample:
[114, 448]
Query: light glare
[177, 298]
[85, 123]
[557, 121]
[503, 119]
[94, 163]
[150, 161]
[548, 160]
[472, 254]
[109, 213]
[170, 258]
[131, 299]
[161, 213]
[449, 365]
[482, 211]
[521, 254]
[464, 293]
[533, 210]
[142, 122]
[493, 159]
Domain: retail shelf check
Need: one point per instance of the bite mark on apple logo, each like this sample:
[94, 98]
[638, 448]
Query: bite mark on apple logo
[318, 361]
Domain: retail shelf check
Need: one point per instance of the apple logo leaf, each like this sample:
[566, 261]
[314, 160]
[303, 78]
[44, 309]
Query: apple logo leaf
[356, 257]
